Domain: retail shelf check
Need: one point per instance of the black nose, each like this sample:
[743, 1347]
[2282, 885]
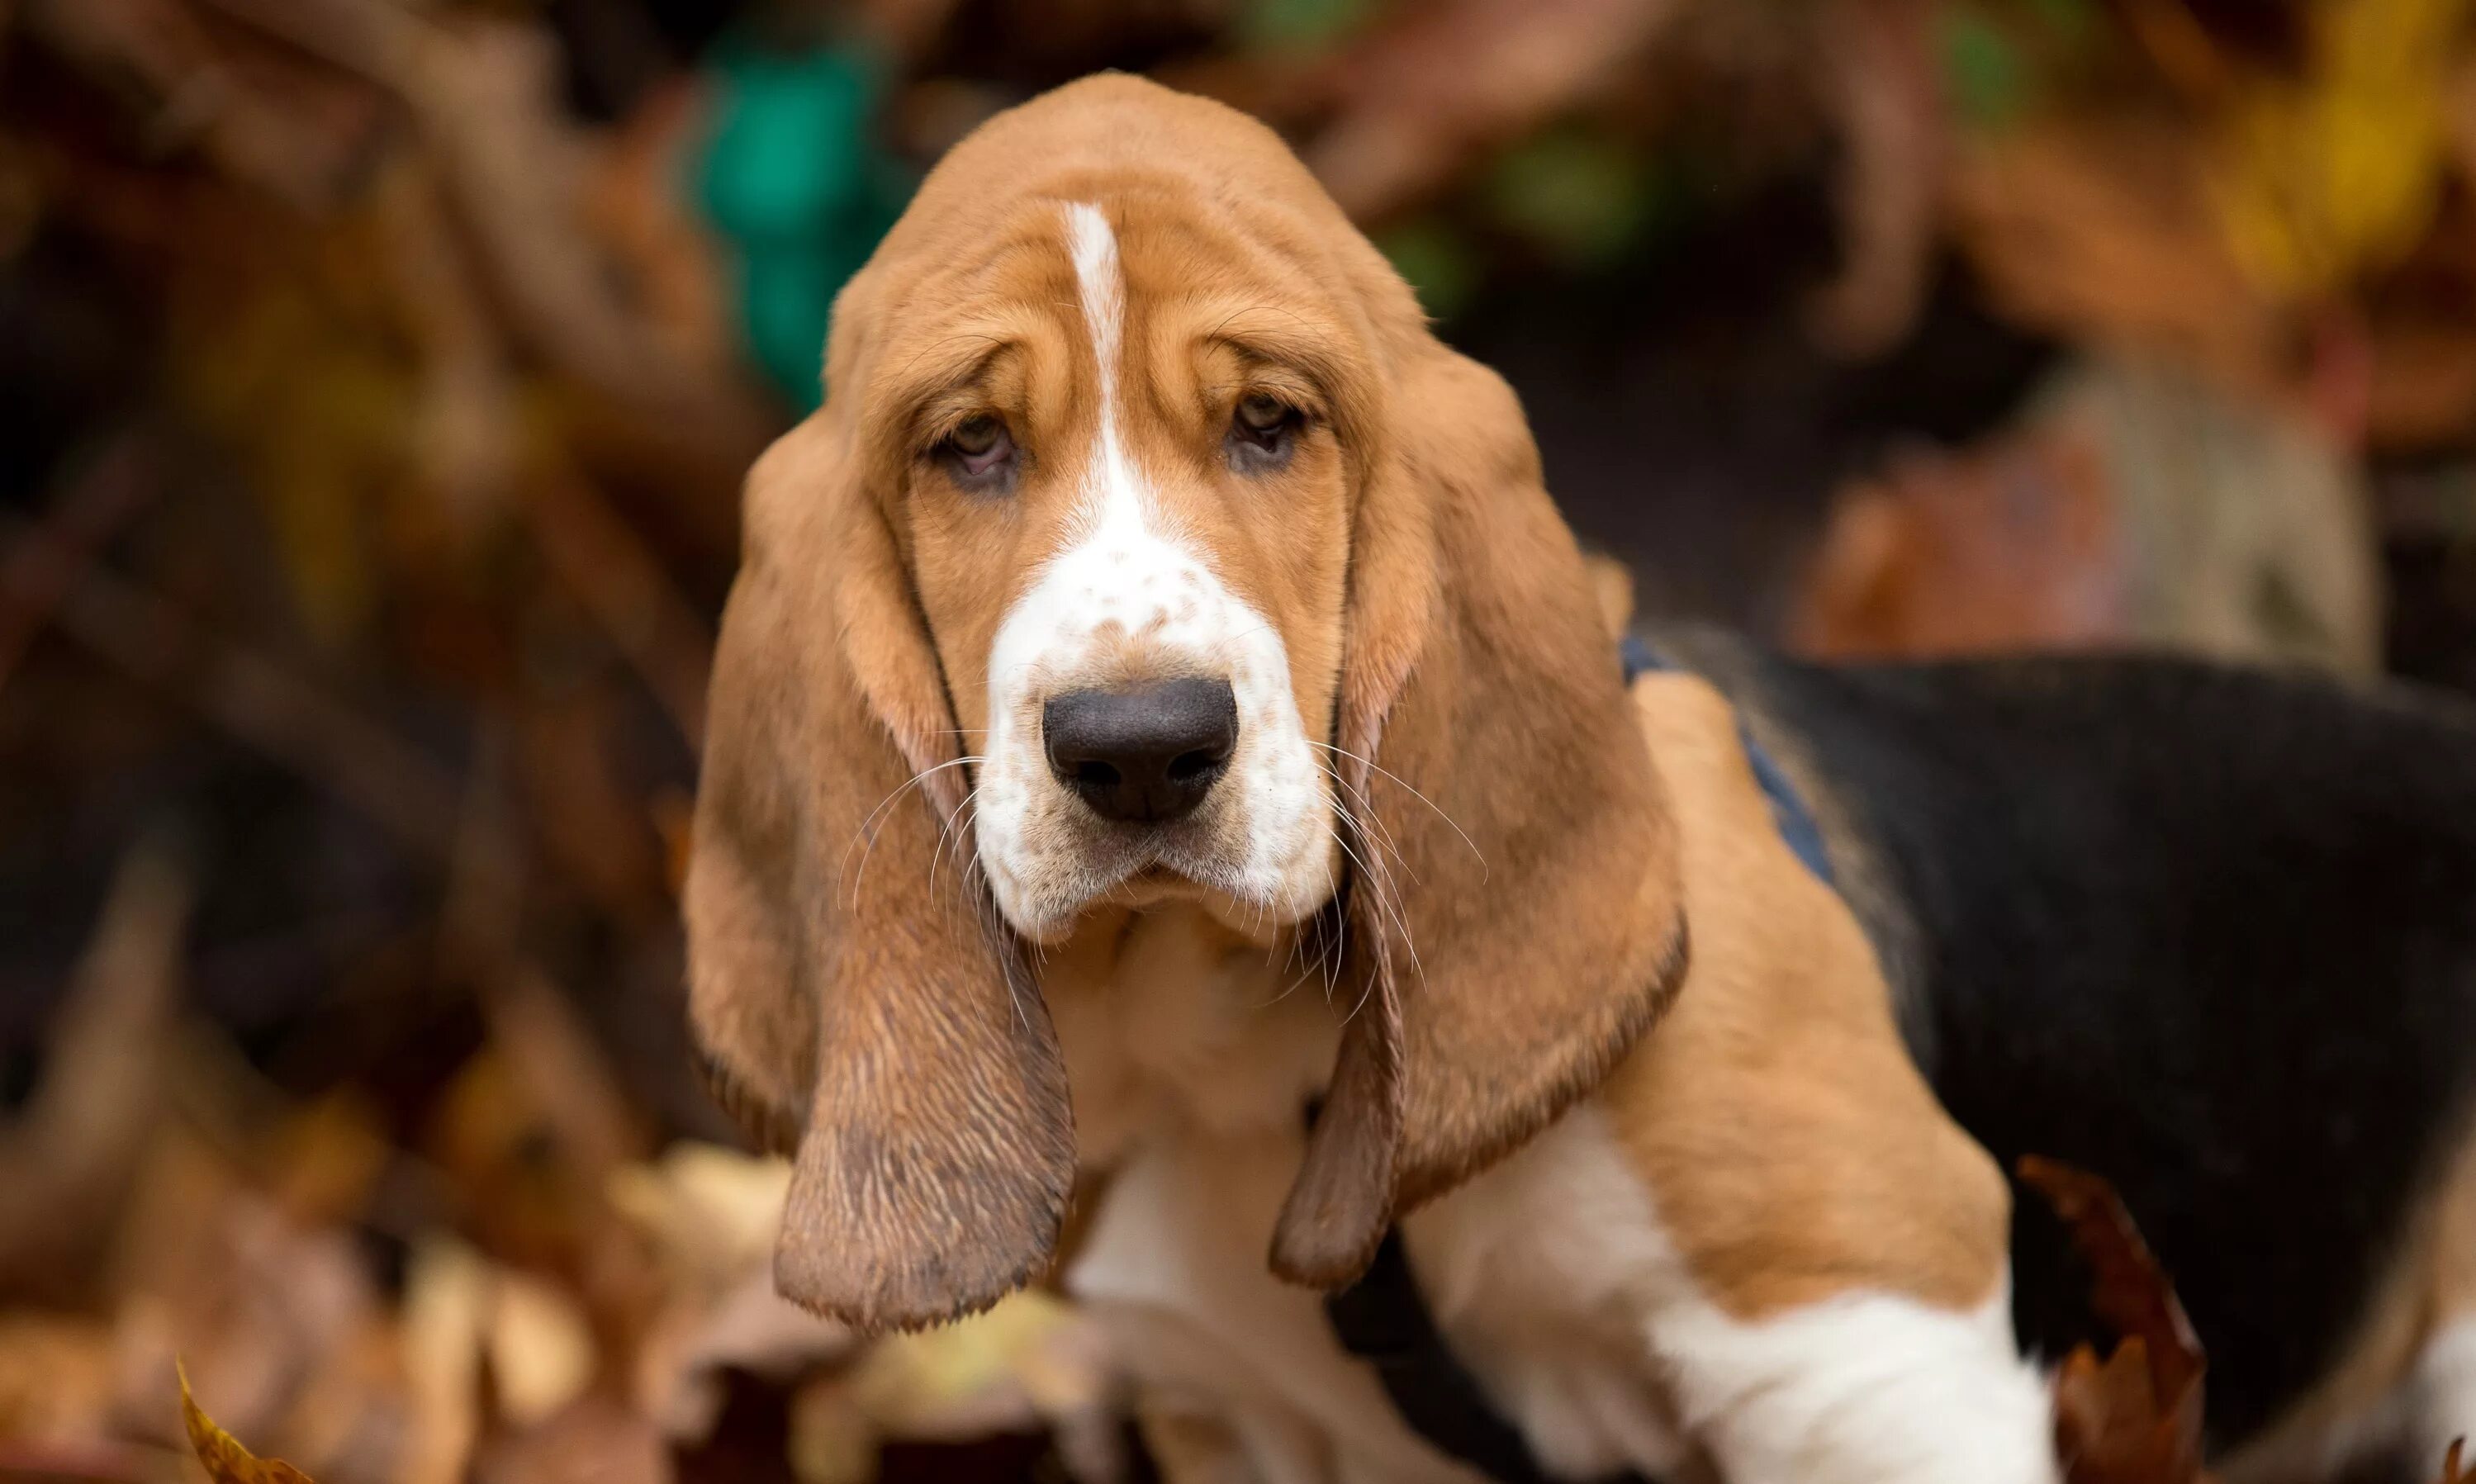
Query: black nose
[1145, 754]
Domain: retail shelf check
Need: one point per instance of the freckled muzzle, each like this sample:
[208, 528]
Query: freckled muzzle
[1145, 756]
[1141, 711]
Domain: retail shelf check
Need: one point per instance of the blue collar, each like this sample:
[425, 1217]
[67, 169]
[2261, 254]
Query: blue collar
[1795, 821]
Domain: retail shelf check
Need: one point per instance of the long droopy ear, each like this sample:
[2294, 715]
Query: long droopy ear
[1515, 920]
[852, 990]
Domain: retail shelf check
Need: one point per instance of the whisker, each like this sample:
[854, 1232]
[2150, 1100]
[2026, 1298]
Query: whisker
[863, 833]
[1378, 883]
[1382, 839]
[1414, 793]
[1388, 897]
[942, 832]
[1289, 989]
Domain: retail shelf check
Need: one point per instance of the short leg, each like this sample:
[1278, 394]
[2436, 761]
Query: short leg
[1862, 1388]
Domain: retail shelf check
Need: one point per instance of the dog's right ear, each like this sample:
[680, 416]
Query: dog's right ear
[1490, 755]
[855, 997]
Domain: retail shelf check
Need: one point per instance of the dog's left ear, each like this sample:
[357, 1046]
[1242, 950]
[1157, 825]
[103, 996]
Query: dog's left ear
[1517, 920]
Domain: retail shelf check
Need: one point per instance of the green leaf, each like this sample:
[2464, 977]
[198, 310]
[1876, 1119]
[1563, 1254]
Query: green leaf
[1580, 196]
[1983, 73]
[1301, 25]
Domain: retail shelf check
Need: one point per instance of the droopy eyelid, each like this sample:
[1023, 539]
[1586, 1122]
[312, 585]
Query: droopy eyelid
[939, 385]
[1285, 387]
[1293, 368]
[944, 415]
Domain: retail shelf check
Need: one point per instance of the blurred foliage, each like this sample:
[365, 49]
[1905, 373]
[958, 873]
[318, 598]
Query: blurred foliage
[1300, 25]
[2339, 172]
[381, 376]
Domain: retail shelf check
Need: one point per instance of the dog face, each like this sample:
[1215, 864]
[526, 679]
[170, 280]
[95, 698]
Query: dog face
[1129, 508]
[1149, 546]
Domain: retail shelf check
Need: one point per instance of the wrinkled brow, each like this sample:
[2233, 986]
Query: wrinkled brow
[1301, 341]
[919, 370]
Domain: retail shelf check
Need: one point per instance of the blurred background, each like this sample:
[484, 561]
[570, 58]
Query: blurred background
[375, 380]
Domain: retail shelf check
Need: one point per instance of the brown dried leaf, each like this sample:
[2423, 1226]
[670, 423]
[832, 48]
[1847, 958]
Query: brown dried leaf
[2101, 233]
[2109, 1427]
[2135, 1419]
[2015, 543]
[283, 1320]
[227, 1461]
[2456, 1469]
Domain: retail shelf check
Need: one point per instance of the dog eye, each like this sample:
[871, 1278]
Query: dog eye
[980, 451]
[1261, 431]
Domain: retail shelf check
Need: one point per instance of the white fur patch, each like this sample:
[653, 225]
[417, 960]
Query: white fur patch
[1870, 1389]
[2445, 1395]
[2412, 1425]
[1173, 1267]
[1548, 1313]
[1126, 583]
[1589, 1328]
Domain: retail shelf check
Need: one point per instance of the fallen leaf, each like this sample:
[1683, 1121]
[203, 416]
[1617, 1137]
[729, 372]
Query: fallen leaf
[2015, 542]
[227, 1461]
[2136, 1418]
[712, 1211]
[542, 1350]
[2100, 232]
[2129, 504]
[446, 1309]
[2453, 1469]
[709, 1216]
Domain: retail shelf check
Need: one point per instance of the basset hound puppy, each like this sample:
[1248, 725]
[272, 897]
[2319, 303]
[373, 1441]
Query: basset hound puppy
[1162, 731]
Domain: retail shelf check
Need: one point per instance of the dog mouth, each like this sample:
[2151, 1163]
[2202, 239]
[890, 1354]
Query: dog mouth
[1154, 884]
[1151, 862]
[1138, 867]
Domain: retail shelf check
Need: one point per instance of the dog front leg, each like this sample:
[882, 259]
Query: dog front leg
[1867, 1388]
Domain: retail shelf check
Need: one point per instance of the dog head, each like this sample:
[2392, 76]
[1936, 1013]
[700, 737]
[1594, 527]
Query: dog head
[1149, 546]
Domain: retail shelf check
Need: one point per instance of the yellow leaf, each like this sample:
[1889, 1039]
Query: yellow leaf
[227, 1461]
[2322, 179]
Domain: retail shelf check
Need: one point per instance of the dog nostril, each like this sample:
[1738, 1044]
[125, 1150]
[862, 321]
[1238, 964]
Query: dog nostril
[1096, 775]
[1186, 767]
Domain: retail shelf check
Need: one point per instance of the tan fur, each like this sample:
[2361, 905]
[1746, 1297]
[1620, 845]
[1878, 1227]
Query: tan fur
[1612, 585]
[1794, 1151]
[831, 990]
[1515, 928]
[1862, 880]
[1171, 1019]
[1541, 935]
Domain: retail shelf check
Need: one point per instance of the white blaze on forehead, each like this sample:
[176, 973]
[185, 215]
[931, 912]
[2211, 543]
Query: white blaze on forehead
[1101, 284]
[1113, 494]
[1122, 582]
